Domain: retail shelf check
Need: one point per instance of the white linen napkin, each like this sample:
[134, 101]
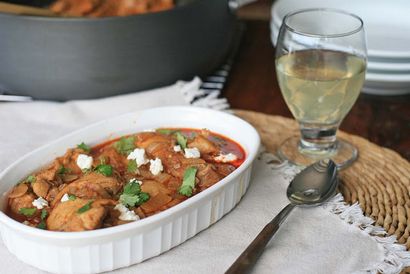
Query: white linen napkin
[313, 240]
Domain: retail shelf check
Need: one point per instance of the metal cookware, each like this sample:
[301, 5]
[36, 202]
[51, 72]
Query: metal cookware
[78, 58]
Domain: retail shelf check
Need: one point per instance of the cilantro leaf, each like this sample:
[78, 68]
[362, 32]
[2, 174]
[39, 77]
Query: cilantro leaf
[31, 179]
[105, 170]
[165, 131]
[129, 200]
[132, 195]
[188, 183]
[84, 147]
[71, 197]
[125, 145]
[132, 166]
[85, 207]
[44, 214]
[181, 140]
[132, 188]
[42, 225]
[63, 170]
[144, 196]
[27, 211]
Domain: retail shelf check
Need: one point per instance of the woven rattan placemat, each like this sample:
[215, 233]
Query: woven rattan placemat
[379, 180]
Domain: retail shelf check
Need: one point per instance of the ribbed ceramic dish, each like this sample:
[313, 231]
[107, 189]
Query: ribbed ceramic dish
[124, 245]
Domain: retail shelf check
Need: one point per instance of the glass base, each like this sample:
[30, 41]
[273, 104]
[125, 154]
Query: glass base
[342, 153]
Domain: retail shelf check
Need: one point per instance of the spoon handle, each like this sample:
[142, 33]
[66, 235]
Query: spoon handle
[247, 259]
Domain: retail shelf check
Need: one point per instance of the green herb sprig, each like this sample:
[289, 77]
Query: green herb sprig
[132, 195]
[42, 224]
[27, 211]
[85, 207]
[84, 147]
[125, 145]
[104, 169]
[132, 166]
[188, 182]
[31, 179]
[63, 170]
[181, 139]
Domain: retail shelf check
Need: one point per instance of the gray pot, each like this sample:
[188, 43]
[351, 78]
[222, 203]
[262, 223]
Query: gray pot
[79, 58]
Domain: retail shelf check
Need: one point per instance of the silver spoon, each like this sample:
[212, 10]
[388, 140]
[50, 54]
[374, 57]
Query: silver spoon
[313, 186]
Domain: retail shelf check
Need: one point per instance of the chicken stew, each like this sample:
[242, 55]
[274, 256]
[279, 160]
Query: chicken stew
[105, 8]
[123, 180]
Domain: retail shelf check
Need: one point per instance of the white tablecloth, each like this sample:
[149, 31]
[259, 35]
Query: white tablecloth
[312, 240]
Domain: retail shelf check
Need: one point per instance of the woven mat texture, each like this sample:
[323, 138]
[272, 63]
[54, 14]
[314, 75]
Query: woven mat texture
[379, 180]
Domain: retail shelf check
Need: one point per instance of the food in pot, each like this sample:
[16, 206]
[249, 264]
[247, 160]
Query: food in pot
[123, 180]
[105, 8]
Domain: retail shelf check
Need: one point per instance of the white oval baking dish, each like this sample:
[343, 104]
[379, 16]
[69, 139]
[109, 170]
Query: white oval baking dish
[124, 245]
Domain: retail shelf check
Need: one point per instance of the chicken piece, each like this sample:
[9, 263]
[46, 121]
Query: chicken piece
[69, 161]
[224, 169]
[91, 186]
[204, 145]
[40, 188]
[24, 201]
[145, 139]
[18, 190]
[153, 188]
[66, 216]
[207, 176]
[49, 173]
[103, 8]
[113, 158]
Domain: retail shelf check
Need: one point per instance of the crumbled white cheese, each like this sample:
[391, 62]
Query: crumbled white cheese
[177, 148]
[138, 155]
[192, 153]
[126, 214]
[226, 158]
[65, 198]
[40, 203]
[156, 166]
[135, 181]
[84, 161]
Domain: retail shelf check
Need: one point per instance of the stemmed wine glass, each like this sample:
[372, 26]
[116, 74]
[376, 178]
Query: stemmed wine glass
[321, 62]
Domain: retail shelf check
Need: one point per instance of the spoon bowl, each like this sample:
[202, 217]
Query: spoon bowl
[311, 187]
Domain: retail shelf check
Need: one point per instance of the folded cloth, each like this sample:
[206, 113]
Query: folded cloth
[323, 239]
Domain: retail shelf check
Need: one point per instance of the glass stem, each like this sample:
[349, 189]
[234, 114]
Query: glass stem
[318, 140]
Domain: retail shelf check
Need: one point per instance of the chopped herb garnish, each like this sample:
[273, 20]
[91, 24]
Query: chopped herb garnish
[62, 170]
[71, 197]
[181, 140]
[42, 225]
[132, 166]
[105, 170]
[125, 145]
[31, 179]
[132, 195]
[44, 214]
[132, 188]
[188, 183]
[84, 147]
[144, 197]
[85, 207]
[129, 200]
[165, 131]
[27, 211]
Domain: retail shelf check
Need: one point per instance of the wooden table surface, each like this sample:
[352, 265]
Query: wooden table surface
[252, 85]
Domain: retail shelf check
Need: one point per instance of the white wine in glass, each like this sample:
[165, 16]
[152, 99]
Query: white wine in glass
[320, 66]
